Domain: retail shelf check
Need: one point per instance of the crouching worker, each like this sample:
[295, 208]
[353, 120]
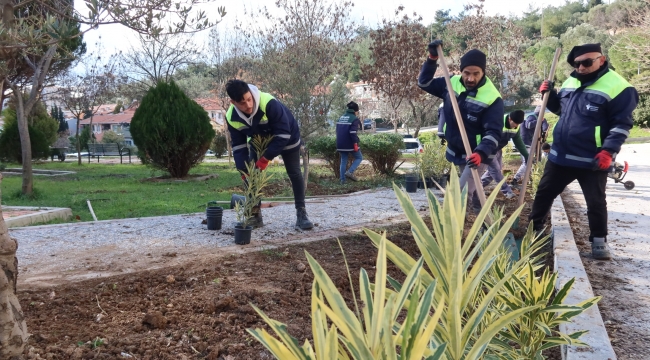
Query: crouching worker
[253, 112]
[494, 171]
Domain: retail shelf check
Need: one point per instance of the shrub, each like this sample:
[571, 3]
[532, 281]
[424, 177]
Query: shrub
[641, 114]
[10, 150]
[382, 150]
[171, 131]
[325, 148]
[433, 161]
[111, 137]
[427, 137]
[219, 144]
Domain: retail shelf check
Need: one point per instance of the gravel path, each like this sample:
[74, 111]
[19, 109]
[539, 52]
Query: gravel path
[90, 249]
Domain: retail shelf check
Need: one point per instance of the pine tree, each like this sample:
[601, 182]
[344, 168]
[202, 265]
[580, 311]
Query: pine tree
[172, 132]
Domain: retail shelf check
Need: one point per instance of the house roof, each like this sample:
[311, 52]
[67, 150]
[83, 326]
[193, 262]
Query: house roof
[209, 104]
[110, 118]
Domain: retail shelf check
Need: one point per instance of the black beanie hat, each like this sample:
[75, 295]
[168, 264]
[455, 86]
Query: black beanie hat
[517, 116]
[354, 106]
[581, 50]
[473, 57]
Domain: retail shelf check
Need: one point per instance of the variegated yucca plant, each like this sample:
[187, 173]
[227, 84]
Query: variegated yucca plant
[481, 300]
[373, 335]
[256, 181]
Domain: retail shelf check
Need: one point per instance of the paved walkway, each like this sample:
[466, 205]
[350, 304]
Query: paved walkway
[623, 282]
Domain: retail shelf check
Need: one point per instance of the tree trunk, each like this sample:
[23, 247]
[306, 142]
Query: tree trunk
[418, 123]
[25, 143]
[13, 329]
[78, 144]
[305, 165]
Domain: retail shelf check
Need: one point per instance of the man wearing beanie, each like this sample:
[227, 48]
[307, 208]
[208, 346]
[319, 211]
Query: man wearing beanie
[527, 132]
[481, 110]
[347, 141]
[510, 132]
[595, 106]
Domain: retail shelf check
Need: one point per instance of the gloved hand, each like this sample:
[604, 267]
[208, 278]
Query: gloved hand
[262, 163]
[443, 141]
[433, 49]
[244, 177]
[356, 147]
[547, 85]
[602, 160]
[474, 160]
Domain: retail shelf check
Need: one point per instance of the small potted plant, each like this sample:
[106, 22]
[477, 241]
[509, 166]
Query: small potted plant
[256, 180]
[434, 164]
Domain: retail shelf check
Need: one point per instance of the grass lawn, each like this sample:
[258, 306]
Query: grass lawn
[122, 191]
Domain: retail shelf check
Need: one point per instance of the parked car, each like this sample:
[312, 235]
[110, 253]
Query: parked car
[412, 146]
[407, 136]
[367, 124]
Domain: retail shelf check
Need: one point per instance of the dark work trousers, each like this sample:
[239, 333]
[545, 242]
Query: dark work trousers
[553, 182]
[291, 159]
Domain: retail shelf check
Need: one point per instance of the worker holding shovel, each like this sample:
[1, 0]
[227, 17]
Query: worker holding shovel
[253, 112]
[481, 109]
[595, 106]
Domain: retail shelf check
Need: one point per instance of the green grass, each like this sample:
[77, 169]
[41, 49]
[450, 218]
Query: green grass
[121, 191]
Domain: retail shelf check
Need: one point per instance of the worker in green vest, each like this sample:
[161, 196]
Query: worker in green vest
[595, 106]
[253, 112]
[481, 110]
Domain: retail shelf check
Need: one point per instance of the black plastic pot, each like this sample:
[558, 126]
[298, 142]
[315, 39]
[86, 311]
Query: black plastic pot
[236, 199]
[442, 181]
[411, 185]
[214, 214]
[243, 234]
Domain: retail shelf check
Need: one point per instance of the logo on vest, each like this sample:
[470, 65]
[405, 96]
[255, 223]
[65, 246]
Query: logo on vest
[591, 107]
[471, 118]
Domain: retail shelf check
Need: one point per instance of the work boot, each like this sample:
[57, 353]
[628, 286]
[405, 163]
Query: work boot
[514, 183]
[256, 220]
[302, 221]
[600, 249]
[510, 195]
[351, 176]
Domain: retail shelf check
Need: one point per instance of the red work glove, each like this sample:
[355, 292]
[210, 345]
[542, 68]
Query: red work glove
[262, 163]
[546, 86]
[356, 147]
[474, 160]
[244, 176]
[602, 160]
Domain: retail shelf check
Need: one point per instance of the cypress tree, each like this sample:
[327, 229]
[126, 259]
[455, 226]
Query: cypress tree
[172, 132]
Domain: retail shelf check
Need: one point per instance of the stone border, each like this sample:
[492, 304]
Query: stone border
[42, 216]
[569, 265]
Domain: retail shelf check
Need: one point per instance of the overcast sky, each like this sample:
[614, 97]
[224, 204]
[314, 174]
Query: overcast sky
[368, 12]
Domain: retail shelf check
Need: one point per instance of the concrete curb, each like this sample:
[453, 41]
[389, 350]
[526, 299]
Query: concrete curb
[43, 215]
[569, 265]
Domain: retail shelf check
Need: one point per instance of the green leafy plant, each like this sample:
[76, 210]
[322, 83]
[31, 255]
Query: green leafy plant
[382, 151]
[219, 144]
[256, 180]
[172, 132]
[433, 161]
[536, 175]
[370, 333]
[325, 148]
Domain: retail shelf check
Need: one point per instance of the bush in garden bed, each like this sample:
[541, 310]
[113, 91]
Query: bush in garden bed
[382, 151]
[470, 302]
[325, 147]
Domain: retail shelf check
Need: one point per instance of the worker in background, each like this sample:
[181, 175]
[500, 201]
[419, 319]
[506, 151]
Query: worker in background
[510, 131]
[347, 141]
[527, 132]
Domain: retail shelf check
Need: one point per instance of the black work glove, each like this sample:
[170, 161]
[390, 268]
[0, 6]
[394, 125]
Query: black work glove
[433, 48]
[443, 141]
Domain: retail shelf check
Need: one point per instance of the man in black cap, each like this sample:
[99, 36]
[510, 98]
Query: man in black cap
[347, 141]
[481, 110]
[595, 106]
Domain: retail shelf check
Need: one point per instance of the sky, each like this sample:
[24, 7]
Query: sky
[368, 12]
